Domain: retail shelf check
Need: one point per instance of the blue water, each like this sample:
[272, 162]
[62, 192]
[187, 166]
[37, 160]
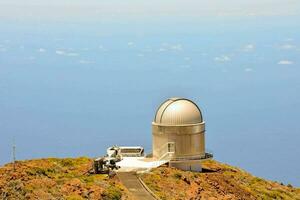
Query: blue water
[73, 89]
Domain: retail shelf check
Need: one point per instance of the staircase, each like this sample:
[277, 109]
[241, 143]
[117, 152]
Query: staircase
[167, 152]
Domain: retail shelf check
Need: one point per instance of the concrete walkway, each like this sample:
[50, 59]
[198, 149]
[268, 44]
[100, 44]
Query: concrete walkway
[132, 183]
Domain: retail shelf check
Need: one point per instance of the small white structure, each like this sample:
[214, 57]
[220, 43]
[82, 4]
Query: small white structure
[131, 151]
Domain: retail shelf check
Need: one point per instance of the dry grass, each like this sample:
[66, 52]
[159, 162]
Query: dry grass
[57, 179]
[54, 178]
[220, 181]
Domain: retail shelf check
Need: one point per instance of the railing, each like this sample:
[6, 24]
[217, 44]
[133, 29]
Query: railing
[167, 147]
[167, 152]
[196, 157]
[167, 156]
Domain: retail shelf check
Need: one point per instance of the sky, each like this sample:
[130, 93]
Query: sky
[89, 10]
[77, 76]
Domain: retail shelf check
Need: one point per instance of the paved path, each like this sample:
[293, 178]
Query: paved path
[132, 183]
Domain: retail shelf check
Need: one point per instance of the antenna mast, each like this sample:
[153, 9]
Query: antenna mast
[14, 155]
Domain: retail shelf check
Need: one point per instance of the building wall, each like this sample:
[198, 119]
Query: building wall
[189, 139]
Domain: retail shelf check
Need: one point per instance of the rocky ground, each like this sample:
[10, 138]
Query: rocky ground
[55, 178]
[218, 181]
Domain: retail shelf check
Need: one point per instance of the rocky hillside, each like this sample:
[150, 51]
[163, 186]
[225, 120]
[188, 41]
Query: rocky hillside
[218, 181]
[54, 178]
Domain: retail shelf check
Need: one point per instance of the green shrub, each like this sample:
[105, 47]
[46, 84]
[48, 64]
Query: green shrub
[178, 175]
[112, 193]
[88, 179]
[37, 171]
[67, 162]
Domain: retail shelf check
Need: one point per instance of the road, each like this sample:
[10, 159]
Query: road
[132, 183]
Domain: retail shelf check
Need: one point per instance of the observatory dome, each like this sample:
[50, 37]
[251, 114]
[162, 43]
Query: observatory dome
[178, 111]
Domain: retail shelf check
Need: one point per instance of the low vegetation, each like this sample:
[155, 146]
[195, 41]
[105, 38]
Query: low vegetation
[57, 179]
[66, 179]
[218, 181]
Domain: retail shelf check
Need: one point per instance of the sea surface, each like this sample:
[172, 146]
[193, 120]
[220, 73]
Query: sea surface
[74, 88]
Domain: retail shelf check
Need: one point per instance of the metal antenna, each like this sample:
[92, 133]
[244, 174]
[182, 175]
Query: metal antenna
[14, 155]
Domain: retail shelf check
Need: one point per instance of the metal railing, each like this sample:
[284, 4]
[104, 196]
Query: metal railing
[167, 147]
[196, 157]
[167, 152]
[167, 156]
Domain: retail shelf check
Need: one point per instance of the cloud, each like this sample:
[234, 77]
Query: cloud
[41, 50]
[249, 47]
[248, 69]
[59, 52]
[85, 62]
[64, 53]
[185, 66]
[170, 47]
[287, 46]
[97, 9]
[130, 43]
[285, 62]
[223, 58]
[72, 54]
[101, 47]
[176, 47]
[162, 49]
[289, 39]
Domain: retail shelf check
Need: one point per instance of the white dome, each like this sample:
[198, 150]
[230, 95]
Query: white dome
[178, 111]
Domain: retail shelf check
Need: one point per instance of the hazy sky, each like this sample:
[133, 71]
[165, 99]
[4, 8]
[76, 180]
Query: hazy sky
[70, 9]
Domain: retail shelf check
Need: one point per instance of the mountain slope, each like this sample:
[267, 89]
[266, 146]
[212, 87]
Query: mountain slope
[55, 178]
[218, 181]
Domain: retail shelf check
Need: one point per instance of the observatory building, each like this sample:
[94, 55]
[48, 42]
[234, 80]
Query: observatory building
[178, 132]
